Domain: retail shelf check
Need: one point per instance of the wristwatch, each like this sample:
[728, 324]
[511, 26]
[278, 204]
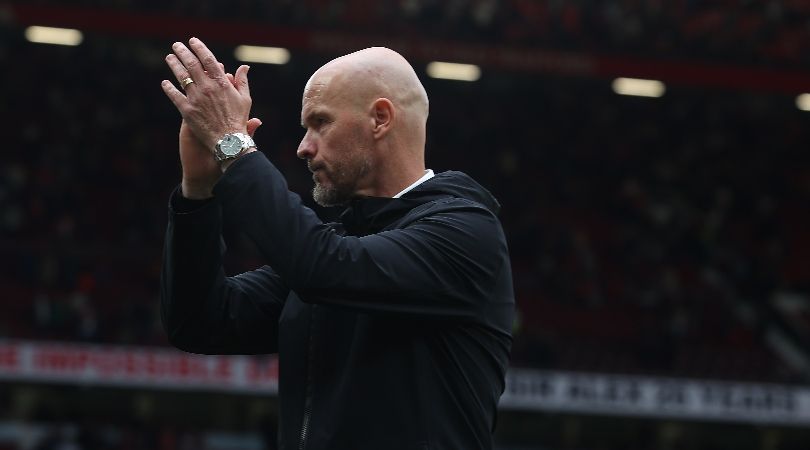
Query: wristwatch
[232, 145]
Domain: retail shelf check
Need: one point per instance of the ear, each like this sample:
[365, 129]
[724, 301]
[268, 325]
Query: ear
[383, 114]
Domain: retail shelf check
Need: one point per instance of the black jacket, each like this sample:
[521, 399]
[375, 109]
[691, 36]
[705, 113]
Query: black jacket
[393, 326]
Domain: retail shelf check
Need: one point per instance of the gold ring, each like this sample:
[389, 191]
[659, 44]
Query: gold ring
[185, 82]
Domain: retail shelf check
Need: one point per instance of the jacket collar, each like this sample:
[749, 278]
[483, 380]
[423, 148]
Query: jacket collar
[367, 215]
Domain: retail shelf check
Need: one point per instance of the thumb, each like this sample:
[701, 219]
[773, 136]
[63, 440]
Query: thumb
[252, 125]
[242, 80]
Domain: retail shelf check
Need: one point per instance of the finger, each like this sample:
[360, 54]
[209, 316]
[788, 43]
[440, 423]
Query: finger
[177, 68]
[242, 80]
[189, 61]
[252, 125]
[173, 93]
[230, 78]
[207, 58]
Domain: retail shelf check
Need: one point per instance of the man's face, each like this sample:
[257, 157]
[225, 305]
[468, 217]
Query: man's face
[336, 144]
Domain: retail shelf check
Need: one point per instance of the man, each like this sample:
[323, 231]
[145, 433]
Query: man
[393, 325]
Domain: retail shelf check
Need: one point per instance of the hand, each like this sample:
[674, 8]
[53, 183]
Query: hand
[213, 105]
[200, 169]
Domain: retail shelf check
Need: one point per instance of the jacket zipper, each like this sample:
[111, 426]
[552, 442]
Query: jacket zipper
[302, 443]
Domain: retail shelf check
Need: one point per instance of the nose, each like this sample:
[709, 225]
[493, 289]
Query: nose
[306, 149]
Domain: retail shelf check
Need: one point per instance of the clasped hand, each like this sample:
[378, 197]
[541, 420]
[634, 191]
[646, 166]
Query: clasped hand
[215, 104]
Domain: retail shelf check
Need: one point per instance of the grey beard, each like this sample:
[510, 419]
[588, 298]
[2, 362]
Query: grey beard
[329, 197]
[343, 191]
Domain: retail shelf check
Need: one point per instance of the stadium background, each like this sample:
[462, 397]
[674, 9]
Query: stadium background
[658, 244]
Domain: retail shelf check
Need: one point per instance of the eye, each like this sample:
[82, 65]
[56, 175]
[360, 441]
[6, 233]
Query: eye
[316, 121]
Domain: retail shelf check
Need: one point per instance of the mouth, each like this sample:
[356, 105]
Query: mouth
[316, 173]
[316, 170]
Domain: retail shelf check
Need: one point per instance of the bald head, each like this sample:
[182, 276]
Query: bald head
[361, 77]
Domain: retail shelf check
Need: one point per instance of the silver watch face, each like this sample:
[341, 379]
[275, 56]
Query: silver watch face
[231, 145]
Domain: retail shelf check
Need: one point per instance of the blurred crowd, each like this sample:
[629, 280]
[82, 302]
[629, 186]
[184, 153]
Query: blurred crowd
[743, 31]
[647, 236]
[99, 434]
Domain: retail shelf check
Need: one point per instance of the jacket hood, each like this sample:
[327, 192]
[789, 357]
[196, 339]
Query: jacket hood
[456, 184]
[365, 215]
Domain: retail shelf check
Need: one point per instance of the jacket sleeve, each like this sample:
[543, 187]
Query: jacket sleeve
[442, 265]
[203, 311]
